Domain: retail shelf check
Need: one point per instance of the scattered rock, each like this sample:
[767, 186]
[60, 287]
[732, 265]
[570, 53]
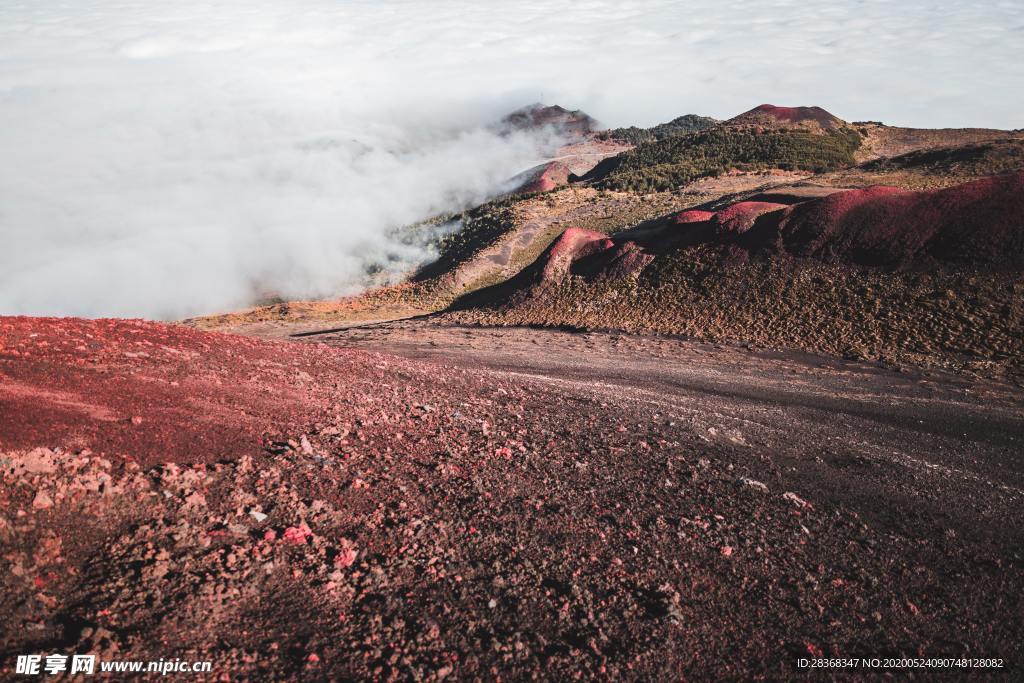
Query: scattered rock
[753, 484]
[42, 501]
[297, 535]
[796, 500]
[347, 554]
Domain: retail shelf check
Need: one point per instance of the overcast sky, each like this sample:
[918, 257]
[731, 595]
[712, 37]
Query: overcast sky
[165, 158]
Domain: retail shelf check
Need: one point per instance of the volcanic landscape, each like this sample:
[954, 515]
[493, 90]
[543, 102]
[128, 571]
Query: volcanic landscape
[689, 402]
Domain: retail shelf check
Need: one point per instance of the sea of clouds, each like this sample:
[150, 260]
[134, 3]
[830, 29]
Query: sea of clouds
[166, 159]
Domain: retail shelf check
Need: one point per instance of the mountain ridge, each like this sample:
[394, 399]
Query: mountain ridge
[719, 195]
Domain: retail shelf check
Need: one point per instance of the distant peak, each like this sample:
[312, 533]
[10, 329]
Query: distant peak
[774, 116]
[538, 115]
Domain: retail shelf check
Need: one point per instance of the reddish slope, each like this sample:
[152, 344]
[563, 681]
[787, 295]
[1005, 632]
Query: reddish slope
[573, 245]
[542, 178]
[976, 225]
[154, 392]
[772, 116]
[692, 216]
[740, 217]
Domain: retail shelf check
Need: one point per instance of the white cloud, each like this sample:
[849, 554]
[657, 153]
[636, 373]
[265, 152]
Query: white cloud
[170, 158]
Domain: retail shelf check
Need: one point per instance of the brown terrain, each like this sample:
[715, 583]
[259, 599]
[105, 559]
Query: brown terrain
[769, 116]
[506, 238]
[515, 503]
[774, 412]
[926, 277]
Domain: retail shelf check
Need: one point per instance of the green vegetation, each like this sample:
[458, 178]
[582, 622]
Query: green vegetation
[676, 160]
[689, 123]
[481, 227]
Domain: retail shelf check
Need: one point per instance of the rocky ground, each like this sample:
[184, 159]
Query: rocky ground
[499, 503]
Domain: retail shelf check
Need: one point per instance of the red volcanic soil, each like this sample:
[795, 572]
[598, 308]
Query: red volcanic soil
[574, 244]
[586, 252]
[300, 512]
[770, 113]
[152, 392]
[977, 224]
[544, 178]
[739, 217]
[692, 216]
[794, 114]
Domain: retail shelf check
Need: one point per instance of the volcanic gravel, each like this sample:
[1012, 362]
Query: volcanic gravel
[300, 512]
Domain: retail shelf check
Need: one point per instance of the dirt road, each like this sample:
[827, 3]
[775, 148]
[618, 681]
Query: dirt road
[897, 446]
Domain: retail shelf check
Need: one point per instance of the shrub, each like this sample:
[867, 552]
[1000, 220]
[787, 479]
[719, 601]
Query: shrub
[676, 160]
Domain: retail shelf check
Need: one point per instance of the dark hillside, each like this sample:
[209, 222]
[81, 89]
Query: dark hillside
[677, 160]
[682, 125]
